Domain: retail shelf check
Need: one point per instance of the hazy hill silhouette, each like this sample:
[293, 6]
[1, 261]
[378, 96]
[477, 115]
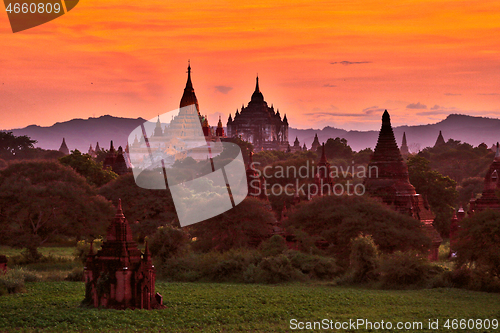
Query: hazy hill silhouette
[80, 133]
[473, 130]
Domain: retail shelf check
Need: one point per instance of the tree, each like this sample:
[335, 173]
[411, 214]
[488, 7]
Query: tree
[440, 191]
[88, 168]
[338, 219]
[245, 225]
[12, 146]
[42, 199]
[478, 243]
[150, 208]
[337, 148]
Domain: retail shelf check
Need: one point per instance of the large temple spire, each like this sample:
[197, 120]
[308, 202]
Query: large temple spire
[257, 95]
[388, 172]
[189, 97]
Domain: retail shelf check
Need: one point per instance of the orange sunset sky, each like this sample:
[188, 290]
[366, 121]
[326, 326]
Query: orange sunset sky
[334, 63]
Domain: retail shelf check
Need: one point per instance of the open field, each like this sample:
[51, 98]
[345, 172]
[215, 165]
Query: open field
[66, 252]
[209, 307]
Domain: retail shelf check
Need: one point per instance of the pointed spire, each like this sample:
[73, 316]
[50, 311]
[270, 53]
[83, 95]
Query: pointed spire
[390, 166]
[257, 95]
[497, 154]
[189, 97]
[119, 211]
[404, 147]
[440, 140]
[64, 148]
[111, 147]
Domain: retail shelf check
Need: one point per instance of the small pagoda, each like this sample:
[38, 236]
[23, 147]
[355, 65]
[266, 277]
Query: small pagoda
[119, 276]
[489, 199]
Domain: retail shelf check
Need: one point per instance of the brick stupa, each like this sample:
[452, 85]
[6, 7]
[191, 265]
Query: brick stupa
[388, 179]
[489, 199]
[119, 276]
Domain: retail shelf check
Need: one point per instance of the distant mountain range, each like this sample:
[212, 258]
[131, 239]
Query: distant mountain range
[80, 133]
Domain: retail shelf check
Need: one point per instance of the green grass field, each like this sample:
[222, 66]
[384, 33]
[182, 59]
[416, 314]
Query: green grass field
[200, 307]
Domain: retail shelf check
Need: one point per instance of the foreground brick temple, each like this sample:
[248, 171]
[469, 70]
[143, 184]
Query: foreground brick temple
[119, 276]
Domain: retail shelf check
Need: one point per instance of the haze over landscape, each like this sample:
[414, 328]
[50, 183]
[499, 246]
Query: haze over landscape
[80, 133]
[337, 64]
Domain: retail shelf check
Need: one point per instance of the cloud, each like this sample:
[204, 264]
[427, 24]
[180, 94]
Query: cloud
[335, 114]
[373, 109]
[451, 94]
[328, 85]
[435, 107]
[416, 106]
[223, 89]
[345, 62]
[491, 94]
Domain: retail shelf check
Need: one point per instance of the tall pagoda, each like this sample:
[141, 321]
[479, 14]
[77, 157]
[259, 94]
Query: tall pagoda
[440, 140]
[404, 147]
[388, 179]
[64, 148]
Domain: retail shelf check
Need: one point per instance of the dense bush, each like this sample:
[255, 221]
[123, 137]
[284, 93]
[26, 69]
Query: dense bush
[83, 248]
[168, 241]
[13, 280]
[401, 269]
[477, 246]
[273, 246]
[337, 220]
[364, 260]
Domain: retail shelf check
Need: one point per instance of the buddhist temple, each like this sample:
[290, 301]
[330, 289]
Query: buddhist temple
[296, 146]
[387, 178]
[91, 152]
[115, 160]
[259, 124]
[64, 148]
[489, 199]
[119, 276]
[315, 145]
[404, 147]
[440, 140]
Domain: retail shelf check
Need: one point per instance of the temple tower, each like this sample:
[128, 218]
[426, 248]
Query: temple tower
[387, 178]
[440, 140]
[259, 124]
[119, 276]
[404, 147]
[489, 199]
[64, 148]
